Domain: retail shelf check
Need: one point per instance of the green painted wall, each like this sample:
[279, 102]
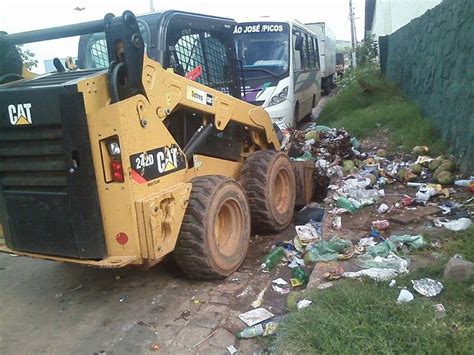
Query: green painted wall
[432, 60]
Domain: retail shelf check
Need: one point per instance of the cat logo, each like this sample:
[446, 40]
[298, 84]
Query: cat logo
[20, 114]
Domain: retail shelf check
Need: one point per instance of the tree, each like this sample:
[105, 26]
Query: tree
[27, 57]
[367, 50]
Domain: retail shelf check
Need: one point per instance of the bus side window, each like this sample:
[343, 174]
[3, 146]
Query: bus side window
[296, 53]
[316, 47]
[312, 59]
[305, 52]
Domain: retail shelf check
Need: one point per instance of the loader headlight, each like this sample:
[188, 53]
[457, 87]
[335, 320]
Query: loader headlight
[280, 97]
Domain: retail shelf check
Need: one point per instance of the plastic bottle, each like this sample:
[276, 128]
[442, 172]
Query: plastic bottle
[343, 202]
[464, 183]
[273, 258]
[268, 327]
[251, 332]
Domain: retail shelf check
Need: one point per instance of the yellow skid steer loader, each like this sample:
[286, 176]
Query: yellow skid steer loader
[144, 149]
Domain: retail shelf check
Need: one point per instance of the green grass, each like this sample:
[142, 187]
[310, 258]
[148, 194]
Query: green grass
[363, 114]
[362, 316]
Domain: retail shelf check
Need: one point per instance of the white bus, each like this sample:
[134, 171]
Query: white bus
[280, 62]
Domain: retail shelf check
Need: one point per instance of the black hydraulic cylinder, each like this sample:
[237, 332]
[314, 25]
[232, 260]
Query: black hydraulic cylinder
[196, 140]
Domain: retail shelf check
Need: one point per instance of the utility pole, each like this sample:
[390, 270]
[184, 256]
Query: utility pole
[353, 35]
[152, 6]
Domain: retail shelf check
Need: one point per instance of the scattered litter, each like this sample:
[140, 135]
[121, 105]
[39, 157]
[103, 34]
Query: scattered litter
[366, 242]
[427, 287]
[123, 298]
[265, 328]
[203, 340]
[337, 222]
[381, 224]
[326, 250]
[195, 300]
[464, 183]
[382, 249]
[457, 225]
[392, 261]
[184, 315]
[440, 310]
[258, 301]
[155, 347]
[281, 290]
[273, 258]
[231, 349]
[405, 296]
[309, 214]
[60, 295]
[299, 277]
[334, 274]
[297, 261]
[414, 241]
[373, 273]
[307, 233]
[280, 282]
[303, 304]
[255, 316]
[425, 192]
[392, 283]
[382, 208]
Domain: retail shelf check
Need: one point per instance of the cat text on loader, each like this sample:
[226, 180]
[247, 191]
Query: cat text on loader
[144, 149]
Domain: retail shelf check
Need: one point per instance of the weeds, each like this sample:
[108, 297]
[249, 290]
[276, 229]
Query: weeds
[363, 316]
[366, 102]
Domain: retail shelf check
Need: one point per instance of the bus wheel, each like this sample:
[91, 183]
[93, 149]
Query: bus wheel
[269, 182]
[296, 115]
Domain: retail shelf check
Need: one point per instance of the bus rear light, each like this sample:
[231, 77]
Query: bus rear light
[117, 171]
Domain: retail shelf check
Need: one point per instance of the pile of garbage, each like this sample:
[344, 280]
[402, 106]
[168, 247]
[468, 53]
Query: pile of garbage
[359, 178]
[356, 179]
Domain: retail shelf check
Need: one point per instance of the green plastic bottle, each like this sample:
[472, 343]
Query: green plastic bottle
[273, 258]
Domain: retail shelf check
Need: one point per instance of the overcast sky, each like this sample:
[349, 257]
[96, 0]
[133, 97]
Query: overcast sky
[23, 15]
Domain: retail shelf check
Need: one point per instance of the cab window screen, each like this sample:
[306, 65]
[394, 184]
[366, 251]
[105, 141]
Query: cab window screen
[201, 48]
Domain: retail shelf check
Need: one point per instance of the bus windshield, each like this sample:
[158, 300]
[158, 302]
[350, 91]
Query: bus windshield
[263, 48]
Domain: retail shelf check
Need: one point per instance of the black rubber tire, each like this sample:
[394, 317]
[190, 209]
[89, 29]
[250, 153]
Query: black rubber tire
[296, 113]
[197, 250]
[270, 211]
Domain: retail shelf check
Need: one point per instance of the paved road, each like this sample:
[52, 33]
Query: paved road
[53, 308]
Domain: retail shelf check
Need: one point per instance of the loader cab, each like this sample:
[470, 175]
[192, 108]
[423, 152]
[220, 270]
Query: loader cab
[196, 46]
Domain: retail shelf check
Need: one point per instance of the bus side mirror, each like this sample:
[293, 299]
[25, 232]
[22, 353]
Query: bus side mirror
[299, 43]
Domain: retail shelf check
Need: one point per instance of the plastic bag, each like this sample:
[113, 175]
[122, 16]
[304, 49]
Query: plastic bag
[414, 241]
[390, 262]
[327, 250]
[382, 249]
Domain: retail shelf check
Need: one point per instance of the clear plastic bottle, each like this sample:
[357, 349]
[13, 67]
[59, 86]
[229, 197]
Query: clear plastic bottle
[251, 332]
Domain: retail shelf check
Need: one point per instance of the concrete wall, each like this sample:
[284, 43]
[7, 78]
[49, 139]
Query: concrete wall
[432, 60]
[390, 15]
